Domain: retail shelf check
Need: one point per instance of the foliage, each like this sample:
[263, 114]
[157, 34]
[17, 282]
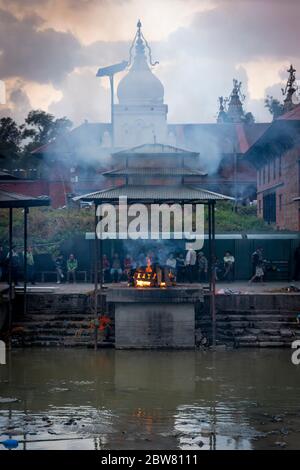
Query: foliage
[41, 128]
[274, 106]
[49, 228]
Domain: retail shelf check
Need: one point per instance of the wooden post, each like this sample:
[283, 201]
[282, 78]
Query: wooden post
[26, 211]
[213, 284]
[96, 282]
[10, 292]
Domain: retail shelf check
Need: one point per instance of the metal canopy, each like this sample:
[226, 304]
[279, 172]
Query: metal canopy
[15, 200]
[131, 171]
[154, 193]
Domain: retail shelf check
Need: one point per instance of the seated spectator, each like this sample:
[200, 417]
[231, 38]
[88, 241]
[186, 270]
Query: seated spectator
[105, 268]
[127, 266]
[180, 268]
[202, 267]
[72, 266]
[116, 270]
[228, 266]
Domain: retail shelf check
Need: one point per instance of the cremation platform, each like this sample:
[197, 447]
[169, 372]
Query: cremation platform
[154, 318]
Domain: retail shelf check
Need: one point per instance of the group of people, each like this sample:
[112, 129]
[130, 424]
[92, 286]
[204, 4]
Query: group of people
[66, 270]
[17, 265]
[190, 267]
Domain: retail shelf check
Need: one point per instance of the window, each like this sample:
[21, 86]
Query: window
[269, 208]
[269, 172]
[259, 206]
[274, 169]
[264, 174]
[280, 202]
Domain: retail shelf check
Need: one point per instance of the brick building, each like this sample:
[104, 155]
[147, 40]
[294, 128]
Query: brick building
[276, 156]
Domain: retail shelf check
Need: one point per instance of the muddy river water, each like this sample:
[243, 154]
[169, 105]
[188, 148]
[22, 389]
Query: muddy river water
[82, 399]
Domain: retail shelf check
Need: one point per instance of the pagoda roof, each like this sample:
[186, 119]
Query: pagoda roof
[150, 193]
[162, 171]
[15, 200]
[156, 149]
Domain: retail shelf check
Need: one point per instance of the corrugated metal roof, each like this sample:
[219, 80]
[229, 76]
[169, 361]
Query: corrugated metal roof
[154, 193]
[154, 172]
[14, 200]
[157, 149]
[4, 175]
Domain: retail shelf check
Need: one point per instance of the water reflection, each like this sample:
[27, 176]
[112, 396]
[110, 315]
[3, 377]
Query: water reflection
[70, 399]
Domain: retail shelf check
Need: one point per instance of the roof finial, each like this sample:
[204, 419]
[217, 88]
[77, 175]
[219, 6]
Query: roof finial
[140, 43]
[290, 88]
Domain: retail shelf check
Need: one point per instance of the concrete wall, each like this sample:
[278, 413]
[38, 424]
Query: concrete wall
[146, 326]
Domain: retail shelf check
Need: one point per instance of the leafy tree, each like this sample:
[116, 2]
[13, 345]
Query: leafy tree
[274, 106]
[10, 134]
[41, 128]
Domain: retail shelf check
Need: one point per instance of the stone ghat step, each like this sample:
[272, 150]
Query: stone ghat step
[54, 316]
[247, 323]
[275, 316]
[250, 311]
[58, 333]
[263, 344]
[56, 324]
[66, 344]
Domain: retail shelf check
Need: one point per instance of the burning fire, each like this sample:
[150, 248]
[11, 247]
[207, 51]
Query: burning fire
[149, 277]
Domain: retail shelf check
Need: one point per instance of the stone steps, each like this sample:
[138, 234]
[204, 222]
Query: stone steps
[245, 328]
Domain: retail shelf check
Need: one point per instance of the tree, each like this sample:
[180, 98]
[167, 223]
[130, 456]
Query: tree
[274, 106]
[10, 134]
[42, 128]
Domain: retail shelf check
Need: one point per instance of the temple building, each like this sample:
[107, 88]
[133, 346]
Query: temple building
[73, 165]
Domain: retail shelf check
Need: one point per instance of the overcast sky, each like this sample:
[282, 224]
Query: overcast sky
[50, 51]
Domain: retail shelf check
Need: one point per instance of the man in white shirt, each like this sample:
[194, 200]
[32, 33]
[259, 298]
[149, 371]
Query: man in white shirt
[190, 263]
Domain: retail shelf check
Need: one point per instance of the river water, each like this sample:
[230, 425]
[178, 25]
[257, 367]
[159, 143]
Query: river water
[82, 399]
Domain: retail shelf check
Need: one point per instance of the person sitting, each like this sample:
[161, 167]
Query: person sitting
[72, 265]
[116, 271]
[228, 266]
[128, 266]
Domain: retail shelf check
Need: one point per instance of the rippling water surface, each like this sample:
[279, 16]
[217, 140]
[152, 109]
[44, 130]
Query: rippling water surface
[81, 399]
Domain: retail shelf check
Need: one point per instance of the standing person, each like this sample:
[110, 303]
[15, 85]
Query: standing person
[202, 267]
[59, 263]
[171, 267]
[297, 264]
[2, 262]
[116, 270]
[256, 258]
[30, 266]
[15, 265]
[180, 268]
[228, 266]
[259, 272]
[190, 263]
[105, 268]
[72, 265]
[128, 266]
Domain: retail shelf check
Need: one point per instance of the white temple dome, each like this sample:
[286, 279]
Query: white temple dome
[140, 85]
